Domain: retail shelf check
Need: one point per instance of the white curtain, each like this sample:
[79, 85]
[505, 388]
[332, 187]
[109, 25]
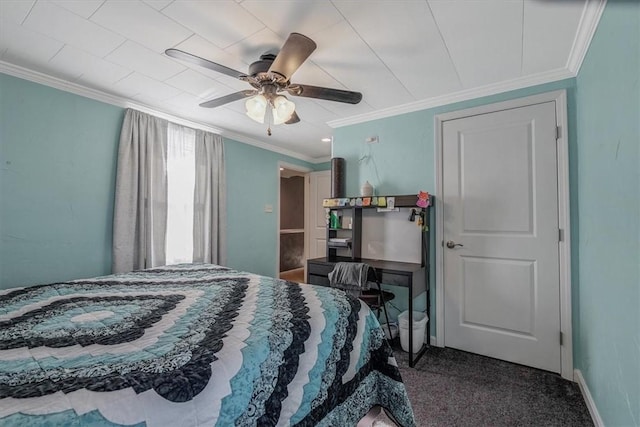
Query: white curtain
[170, 204]
[181, 177]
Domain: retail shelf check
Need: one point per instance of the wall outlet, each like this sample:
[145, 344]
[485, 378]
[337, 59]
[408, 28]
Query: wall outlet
[372, 139]
[268, 208]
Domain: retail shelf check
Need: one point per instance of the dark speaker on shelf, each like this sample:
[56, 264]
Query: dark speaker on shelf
[338, 181]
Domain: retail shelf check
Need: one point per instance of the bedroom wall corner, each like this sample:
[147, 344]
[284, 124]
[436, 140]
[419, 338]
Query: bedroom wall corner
[252, 182]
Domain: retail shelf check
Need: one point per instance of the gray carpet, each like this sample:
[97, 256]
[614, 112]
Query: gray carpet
[454, 388]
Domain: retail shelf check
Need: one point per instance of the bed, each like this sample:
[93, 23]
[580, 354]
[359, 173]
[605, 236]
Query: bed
[192, 345]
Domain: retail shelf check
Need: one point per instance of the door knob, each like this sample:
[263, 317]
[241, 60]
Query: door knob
[451, 244]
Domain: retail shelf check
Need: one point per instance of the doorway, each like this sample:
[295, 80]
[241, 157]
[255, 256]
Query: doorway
[291, 244]
[502, 226]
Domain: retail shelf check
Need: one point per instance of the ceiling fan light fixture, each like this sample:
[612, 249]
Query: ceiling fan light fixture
[256, 107]
[282, 109]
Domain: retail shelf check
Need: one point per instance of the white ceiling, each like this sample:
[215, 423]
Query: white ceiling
[402, 55]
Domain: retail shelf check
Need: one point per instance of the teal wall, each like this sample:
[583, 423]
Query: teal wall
[608, 193]
[252, 182]
[403, 161]
[57, 178]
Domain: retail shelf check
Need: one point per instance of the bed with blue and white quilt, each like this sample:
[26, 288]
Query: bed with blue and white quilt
[192, 345]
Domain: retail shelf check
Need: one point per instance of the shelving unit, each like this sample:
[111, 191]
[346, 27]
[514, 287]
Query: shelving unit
[414, 276]
[353, 248]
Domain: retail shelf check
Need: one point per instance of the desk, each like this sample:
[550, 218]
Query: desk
[403, 274]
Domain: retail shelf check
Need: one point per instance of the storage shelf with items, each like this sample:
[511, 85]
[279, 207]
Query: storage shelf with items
[344, 231]
[344, 220]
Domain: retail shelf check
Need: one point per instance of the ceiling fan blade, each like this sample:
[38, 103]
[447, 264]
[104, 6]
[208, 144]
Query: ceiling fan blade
[329, 94]
[185, 56]
[293, 119]
[228, 98]
[294, 52]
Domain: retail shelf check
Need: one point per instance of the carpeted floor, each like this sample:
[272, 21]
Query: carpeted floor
[454, 388]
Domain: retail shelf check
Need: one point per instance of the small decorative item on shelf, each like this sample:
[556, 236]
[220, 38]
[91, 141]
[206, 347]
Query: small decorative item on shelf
[352, 201]
[359, 201]
[423, 199]
[391, 202]
[374, 201]
[366, 190]
[366, 201]
[334, 220]
[330, 203]
[382, 201]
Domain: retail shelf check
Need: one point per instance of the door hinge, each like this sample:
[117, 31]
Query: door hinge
[561, 338]
[560, 235]
[558, 132]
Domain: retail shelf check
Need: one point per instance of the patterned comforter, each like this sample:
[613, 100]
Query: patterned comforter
[192, 345]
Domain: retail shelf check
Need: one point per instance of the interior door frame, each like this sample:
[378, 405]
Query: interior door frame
[305, 171]
[564, 247]
[308, 215]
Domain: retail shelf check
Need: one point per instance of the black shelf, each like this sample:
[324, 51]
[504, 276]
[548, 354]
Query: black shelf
[355, 233]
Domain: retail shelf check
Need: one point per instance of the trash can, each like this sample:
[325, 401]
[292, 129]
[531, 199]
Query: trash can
[419, 328]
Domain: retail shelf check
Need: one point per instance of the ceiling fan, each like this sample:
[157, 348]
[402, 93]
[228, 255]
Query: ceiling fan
[270, 77]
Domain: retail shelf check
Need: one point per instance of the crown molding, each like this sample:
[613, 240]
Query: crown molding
[587, 26]
[464, 95]
[245, 139]
[97, 95]
[589, 20]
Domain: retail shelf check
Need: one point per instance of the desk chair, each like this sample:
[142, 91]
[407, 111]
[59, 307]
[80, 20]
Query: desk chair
[357, 285]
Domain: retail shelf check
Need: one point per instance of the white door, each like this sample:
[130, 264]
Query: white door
[319, 188]
[500, 199]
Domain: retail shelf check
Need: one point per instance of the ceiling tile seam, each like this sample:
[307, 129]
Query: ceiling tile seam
[114, 49]
[28, 13]
[181, 41]
[95, 11]
[166, 16]
[119, 80]
[121, 101]
[264, 25]
[444, 42]
[243, 39]
[57, 52]
[161, 10]
[374, 52]
[171, 76]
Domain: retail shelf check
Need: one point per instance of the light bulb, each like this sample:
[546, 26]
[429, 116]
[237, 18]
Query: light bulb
[256, 107]
[282, 109]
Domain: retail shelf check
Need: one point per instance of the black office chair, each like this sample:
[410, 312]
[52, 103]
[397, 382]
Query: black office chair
[375, 298]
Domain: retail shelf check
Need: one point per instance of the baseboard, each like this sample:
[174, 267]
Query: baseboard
[591, 405]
